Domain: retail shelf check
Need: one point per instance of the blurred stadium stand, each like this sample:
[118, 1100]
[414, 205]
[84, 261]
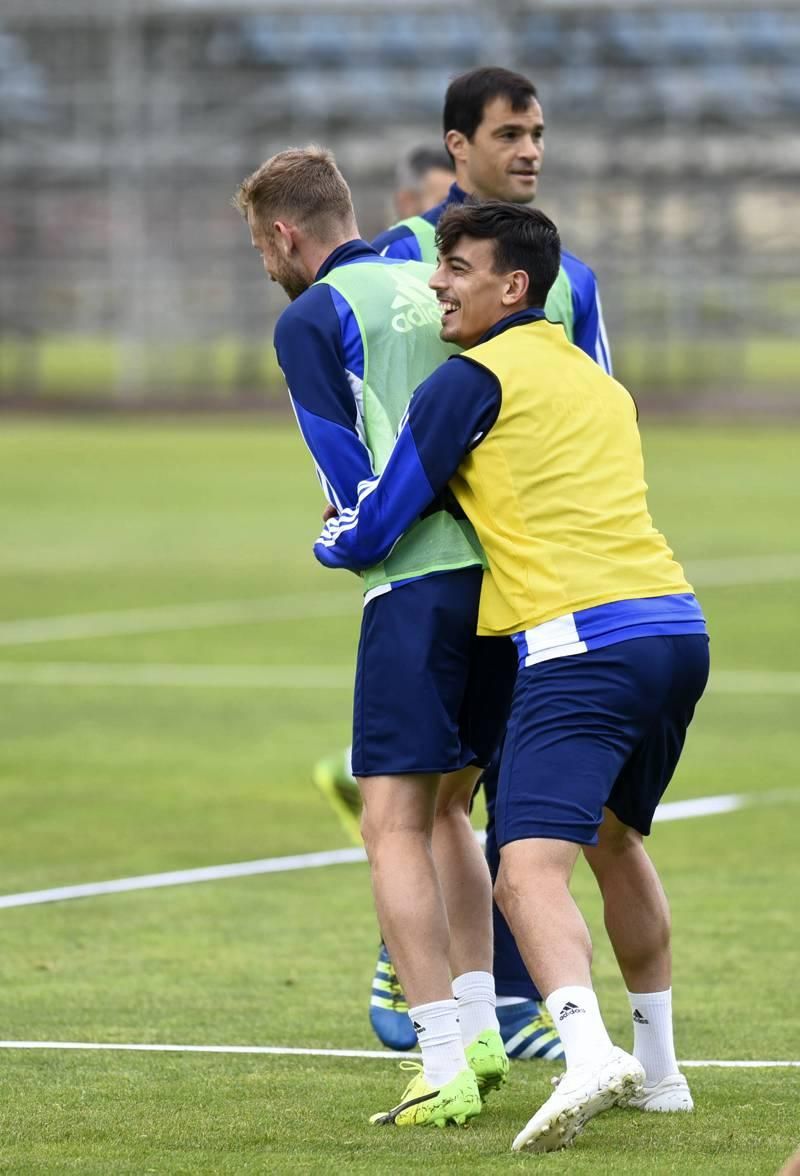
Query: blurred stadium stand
[672, 167]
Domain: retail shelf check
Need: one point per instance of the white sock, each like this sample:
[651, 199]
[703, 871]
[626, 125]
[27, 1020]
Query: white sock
[474, 992]
[576, 1015]
[439, 1036]
[652, 1033]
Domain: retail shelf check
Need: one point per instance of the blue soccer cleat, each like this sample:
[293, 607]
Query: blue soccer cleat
[388, 1007]
[528, 1031]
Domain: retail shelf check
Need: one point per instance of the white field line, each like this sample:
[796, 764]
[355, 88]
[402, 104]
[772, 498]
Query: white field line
[679, 810]
[748, 569]
[703, 806]
[290, 1051]
[279, 865]
[246, 677]
[177, 617]
[745, 1065]
[218, 1049]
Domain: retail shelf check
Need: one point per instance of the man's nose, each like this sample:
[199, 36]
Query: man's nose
[530, 148]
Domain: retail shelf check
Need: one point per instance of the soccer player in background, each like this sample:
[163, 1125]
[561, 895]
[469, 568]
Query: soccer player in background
[423, 178]
[431, 698]
[542, 451]
[494, 133]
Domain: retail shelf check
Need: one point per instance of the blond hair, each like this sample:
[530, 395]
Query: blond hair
[302, 184]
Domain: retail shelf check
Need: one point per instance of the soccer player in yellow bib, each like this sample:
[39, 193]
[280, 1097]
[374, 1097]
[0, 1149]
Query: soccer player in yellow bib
[542, 451]
[494, 133]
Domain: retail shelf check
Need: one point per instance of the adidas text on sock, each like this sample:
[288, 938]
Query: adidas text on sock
[653, 1043]
[576, 1016]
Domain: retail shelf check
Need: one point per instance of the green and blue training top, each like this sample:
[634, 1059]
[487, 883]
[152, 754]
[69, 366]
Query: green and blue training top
[574, 299]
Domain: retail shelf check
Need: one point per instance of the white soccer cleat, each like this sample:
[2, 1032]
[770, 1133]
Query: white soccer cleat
[582, 1093]
[670, 1094]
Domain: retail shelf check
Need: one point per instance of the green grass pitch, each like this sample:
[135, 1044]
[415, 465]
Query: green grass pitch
[104, 781]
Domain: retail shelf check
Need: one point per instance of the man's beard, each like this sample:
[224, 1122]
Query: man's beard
[293, 283]
[294, 286]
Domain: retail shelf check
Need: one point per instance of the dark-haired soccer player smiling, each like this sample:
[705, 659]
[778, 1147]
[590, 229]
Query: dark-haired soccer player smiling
[494, 131]
[542, 451]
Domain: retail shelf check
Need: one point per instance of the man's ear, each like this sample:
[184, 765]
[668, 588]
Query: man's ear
[515, 288]
[456, 143]
[285, 236]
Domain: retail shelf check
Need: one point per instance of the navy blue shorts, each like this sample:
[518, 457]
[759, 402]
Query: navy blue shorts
[430, 696]
[603, 728]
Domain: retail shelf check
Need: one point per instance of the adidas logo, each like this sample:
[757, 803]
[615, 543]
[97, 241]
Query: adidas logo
[639, 1019]
[418, 1028]
[569, 1010]
[416, 303]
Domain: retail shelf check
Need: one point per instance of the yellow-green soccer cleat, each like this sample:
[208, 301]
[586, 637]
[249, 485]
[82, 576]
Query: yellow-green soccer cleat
[488, 1061]
[332, 777]
[424, 1106]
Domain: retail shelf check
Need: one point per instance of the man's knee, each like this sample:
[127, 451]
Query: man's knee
[454, 794]
[397, 805]
[503, 890]
[369, 834]
[386, 832]
[509, 883]
[619, 851]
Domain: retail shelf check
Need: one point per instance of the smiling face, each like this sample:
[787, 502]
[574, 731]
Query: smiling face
[275, 249]
[472, 295]
[503, 158]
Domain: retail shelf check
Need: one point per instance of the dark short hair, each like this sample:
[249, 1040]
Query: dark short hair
[414, 166]
[421, 160]
[469, 94]
[524, 239]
